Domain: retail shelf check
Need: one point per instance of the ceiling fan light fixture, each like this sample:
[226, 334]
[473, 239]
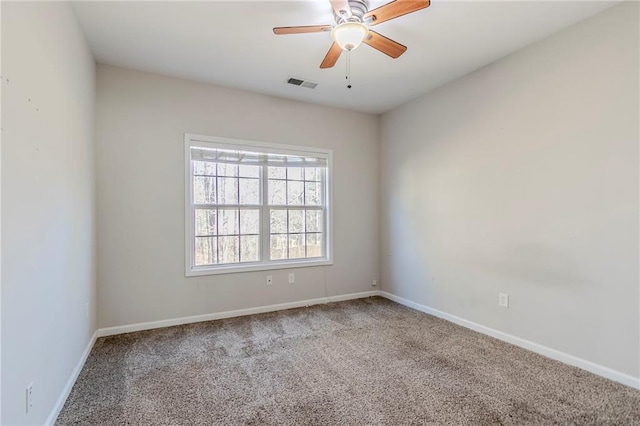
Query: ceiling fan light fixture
[349, 35]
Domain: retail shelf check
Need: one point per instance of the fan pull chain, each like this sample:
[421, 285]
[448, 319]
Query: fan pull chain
[348, 77]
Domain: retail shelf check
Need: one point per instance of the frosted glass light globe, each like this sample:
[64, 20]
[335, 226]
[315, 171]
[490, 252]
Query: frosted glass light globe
[349, 35]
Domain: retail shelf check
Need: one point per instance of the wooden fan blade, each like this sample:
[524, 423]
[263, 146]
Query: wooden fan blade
[340, 5]
[332, 56]
[384, 44]
[303, 29]
[394, 9]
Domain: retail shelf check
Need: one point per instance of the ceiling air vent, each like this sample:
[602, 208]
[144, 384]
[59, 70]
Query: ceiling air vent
[302, 83]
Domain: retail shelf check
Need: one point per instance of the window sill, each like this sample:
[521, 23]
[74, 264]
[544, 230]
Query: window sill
[234, 269]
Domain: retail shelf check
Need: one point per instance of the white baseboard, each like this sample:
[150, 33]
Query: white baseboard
[592, 367]
[110, 331]
[362, 295]
[72, 381]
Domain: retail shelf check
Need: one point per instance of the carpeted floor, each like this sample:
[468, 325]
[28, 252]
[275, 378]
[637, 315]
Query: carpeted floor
[362, 362]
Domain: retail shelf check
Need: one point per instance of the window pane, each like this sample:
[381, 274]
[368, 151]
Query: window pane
[205, 222]
[225, 169]
[314, 221]
[227, 190]
[314, 245]
[312, 173]
[228, 221]
[206, 251]
[296, 246]
[313, 193]
[250, 221]
[249, 191]
[204, 190]
[278, 221]
[204, 168]
[229, 249]
[278, 247]
[296, 220]
[295, 193]
[277, 192]
[277, 173]
[294, 173]
[249, 171]
[249, 248]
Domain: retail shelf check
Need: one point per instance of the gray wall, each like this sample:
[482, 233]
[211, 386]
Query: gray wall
[522, 177]
[48, 235]
[141, 120]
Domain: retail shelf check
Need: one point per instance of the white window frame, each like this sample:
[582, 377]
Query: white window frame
[194, 140]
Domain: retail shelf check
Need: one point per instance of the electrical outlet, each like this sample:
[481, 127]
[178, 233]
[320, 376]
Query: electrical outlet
[292, 278]
[374, 283]
[269, 279]
[503, 300]
[29, 398]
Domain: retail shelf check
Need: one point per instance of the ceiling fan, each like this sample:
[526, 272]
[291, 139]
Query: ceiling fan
[353, 19]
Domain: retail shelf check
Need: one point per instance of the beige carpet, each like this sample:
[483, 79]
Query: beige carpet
[363, 362]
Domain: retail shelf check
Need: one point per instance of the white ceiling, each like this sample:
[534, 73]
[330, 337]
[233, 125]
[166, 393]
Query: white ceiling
[231, 43]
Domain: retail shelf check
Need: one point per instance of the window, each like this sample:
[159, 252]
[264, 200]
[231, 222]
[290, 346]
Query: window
[255, 206]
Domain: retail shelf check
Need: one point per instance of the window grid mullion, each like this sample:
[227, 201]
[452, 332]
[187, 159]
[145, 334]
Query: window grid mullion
[280, 207]
[265, 226]
[239, 239]
[226, 235]
[217, 216]
[304, 211]
[288, 233]
[304, 190]
[286, 201]
[226, 206]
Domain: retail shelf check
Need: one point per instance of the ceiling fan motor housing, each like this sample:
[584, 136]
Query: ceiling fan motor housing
[358, 9]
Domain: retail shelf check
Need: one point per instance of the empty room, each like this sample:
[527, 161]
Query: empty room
[320, 212]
